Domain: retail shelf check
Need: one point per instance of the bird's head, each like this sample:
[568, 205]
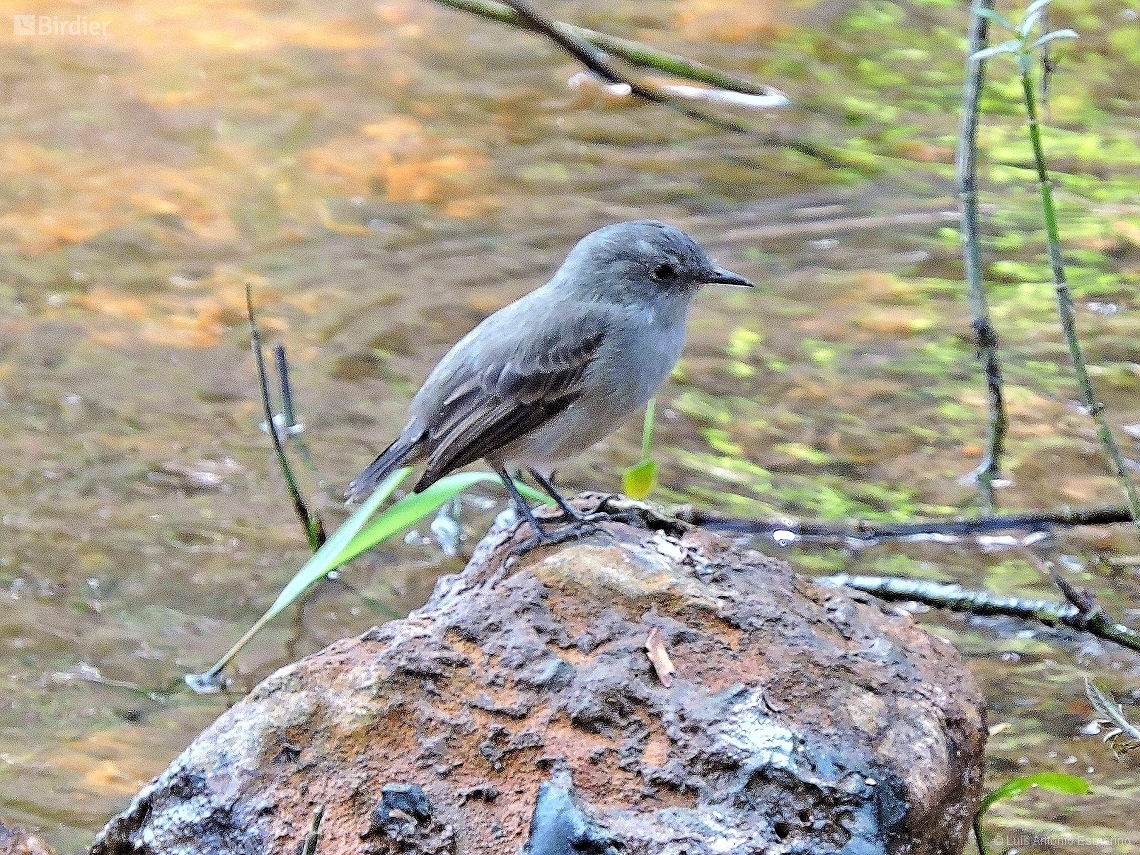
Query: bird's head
[641, 261]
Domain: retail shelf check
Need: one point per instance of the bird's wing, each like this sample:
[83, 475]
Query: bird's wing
[512, 396]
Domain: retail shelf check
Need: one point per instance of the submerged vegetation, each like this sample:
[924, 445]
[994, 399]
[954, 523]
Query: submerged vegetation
[849, 389]
[849, 497]
[754, 489]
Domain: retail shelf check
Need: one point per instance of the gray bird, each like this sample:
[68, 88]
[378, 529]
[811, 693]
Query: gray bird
[559, 369]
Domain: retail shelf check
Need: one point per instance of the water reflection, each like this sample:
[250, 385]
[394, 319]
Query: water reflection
[385, 176]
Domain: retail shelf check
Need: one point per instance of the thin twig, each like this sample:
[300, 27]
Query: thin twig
[871, 531]
[282, 365]
[314, 529]
[959, 599]
[310, 846]
[985, 336]
[1090, 617]
[1064, 300]
[574, 43]
[636, 53]
[598, 63]
[1047, 67]
[292, 427]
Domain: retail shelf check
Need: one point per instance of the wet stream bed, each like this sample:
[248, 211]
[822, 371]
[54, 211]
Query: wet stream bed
[385, 175]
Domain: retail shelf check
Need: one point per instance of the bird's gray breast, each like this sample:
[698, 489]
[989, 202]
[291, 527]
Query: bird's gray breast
[645, 349]
[640, 350]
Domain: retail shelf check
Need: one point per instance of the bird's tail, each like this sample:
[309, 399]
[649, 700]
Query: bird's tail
[404, 450]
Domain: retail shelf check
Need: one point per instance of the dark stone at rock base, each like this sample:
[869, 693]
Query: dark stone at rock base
[402, 805]
[520, 704]
[559, 827]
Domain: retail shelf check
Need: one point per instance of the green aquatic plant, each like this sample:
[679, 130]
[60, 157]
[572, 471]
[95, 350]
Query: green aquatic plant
[359, 533]
[1024, 47]
[641, 478]
[1056, 782]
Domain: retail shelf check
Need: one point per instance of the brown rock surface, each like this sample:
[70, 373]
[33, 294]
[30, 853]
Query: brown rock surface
[16, 841]
[800, 719]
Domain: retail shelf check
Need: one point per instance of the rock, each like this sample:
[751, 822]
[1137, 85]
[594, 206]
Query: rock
[520, 705]
[16, 841]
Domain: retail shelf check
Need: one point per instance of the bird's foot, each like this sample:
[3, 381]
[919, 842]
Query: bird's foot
[576, 529]
[572, 514]
[569, 513]
[594, 519]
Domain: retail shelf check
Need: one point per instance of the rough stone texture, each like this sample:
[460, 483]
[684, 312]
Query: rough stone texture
[519, 704]
[16, 841]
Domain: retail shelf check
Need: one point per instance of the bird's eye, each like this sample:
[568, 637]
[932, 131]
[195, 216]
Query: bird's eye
[664, 272]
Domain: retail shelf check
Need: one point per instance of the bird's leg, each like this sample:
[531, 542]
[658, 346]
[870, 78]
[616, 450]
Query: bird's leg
[576, 515]
[569, 510]
[541, 534]
[548, 486]
[521, 505]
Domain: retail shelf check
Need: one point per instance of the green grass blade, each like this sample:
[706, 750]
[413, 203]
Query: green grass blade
[532, 493]
[647, 428]
[410, 509]
[416, 506]
[352, 539]
[323, 560]
[328, 557]
[1056, 782]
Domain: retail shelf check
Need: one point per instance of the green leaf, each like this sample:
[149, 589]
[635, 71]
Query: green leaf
[1036, 7]
[350, 541]
[324, 559]
[1056, 34]
[330, 556]
[639, 480]
[411, 509]
[1011, 46]
[1028, 23]
[1033, 14]
[1056, 782]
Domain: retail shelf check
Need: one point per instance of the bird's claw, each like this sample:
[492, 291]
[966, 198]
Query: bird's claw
[580, 518]
[542, 537]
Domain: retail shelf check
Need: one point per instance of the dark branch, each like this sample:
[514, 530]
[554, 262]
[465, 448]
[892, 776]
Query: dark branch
[595, 60]
[598, 63]
[869, 531]
[314, 528]
[635, 53]
[959, 599]
[989, 470]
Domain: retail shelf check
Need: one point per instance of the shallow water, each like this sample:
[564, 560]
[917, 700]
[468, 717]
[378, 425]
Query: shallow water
[386, 175]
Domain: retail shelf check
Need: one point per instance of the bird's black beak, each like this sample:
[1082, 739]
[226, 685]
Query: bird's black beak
[720, 276]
